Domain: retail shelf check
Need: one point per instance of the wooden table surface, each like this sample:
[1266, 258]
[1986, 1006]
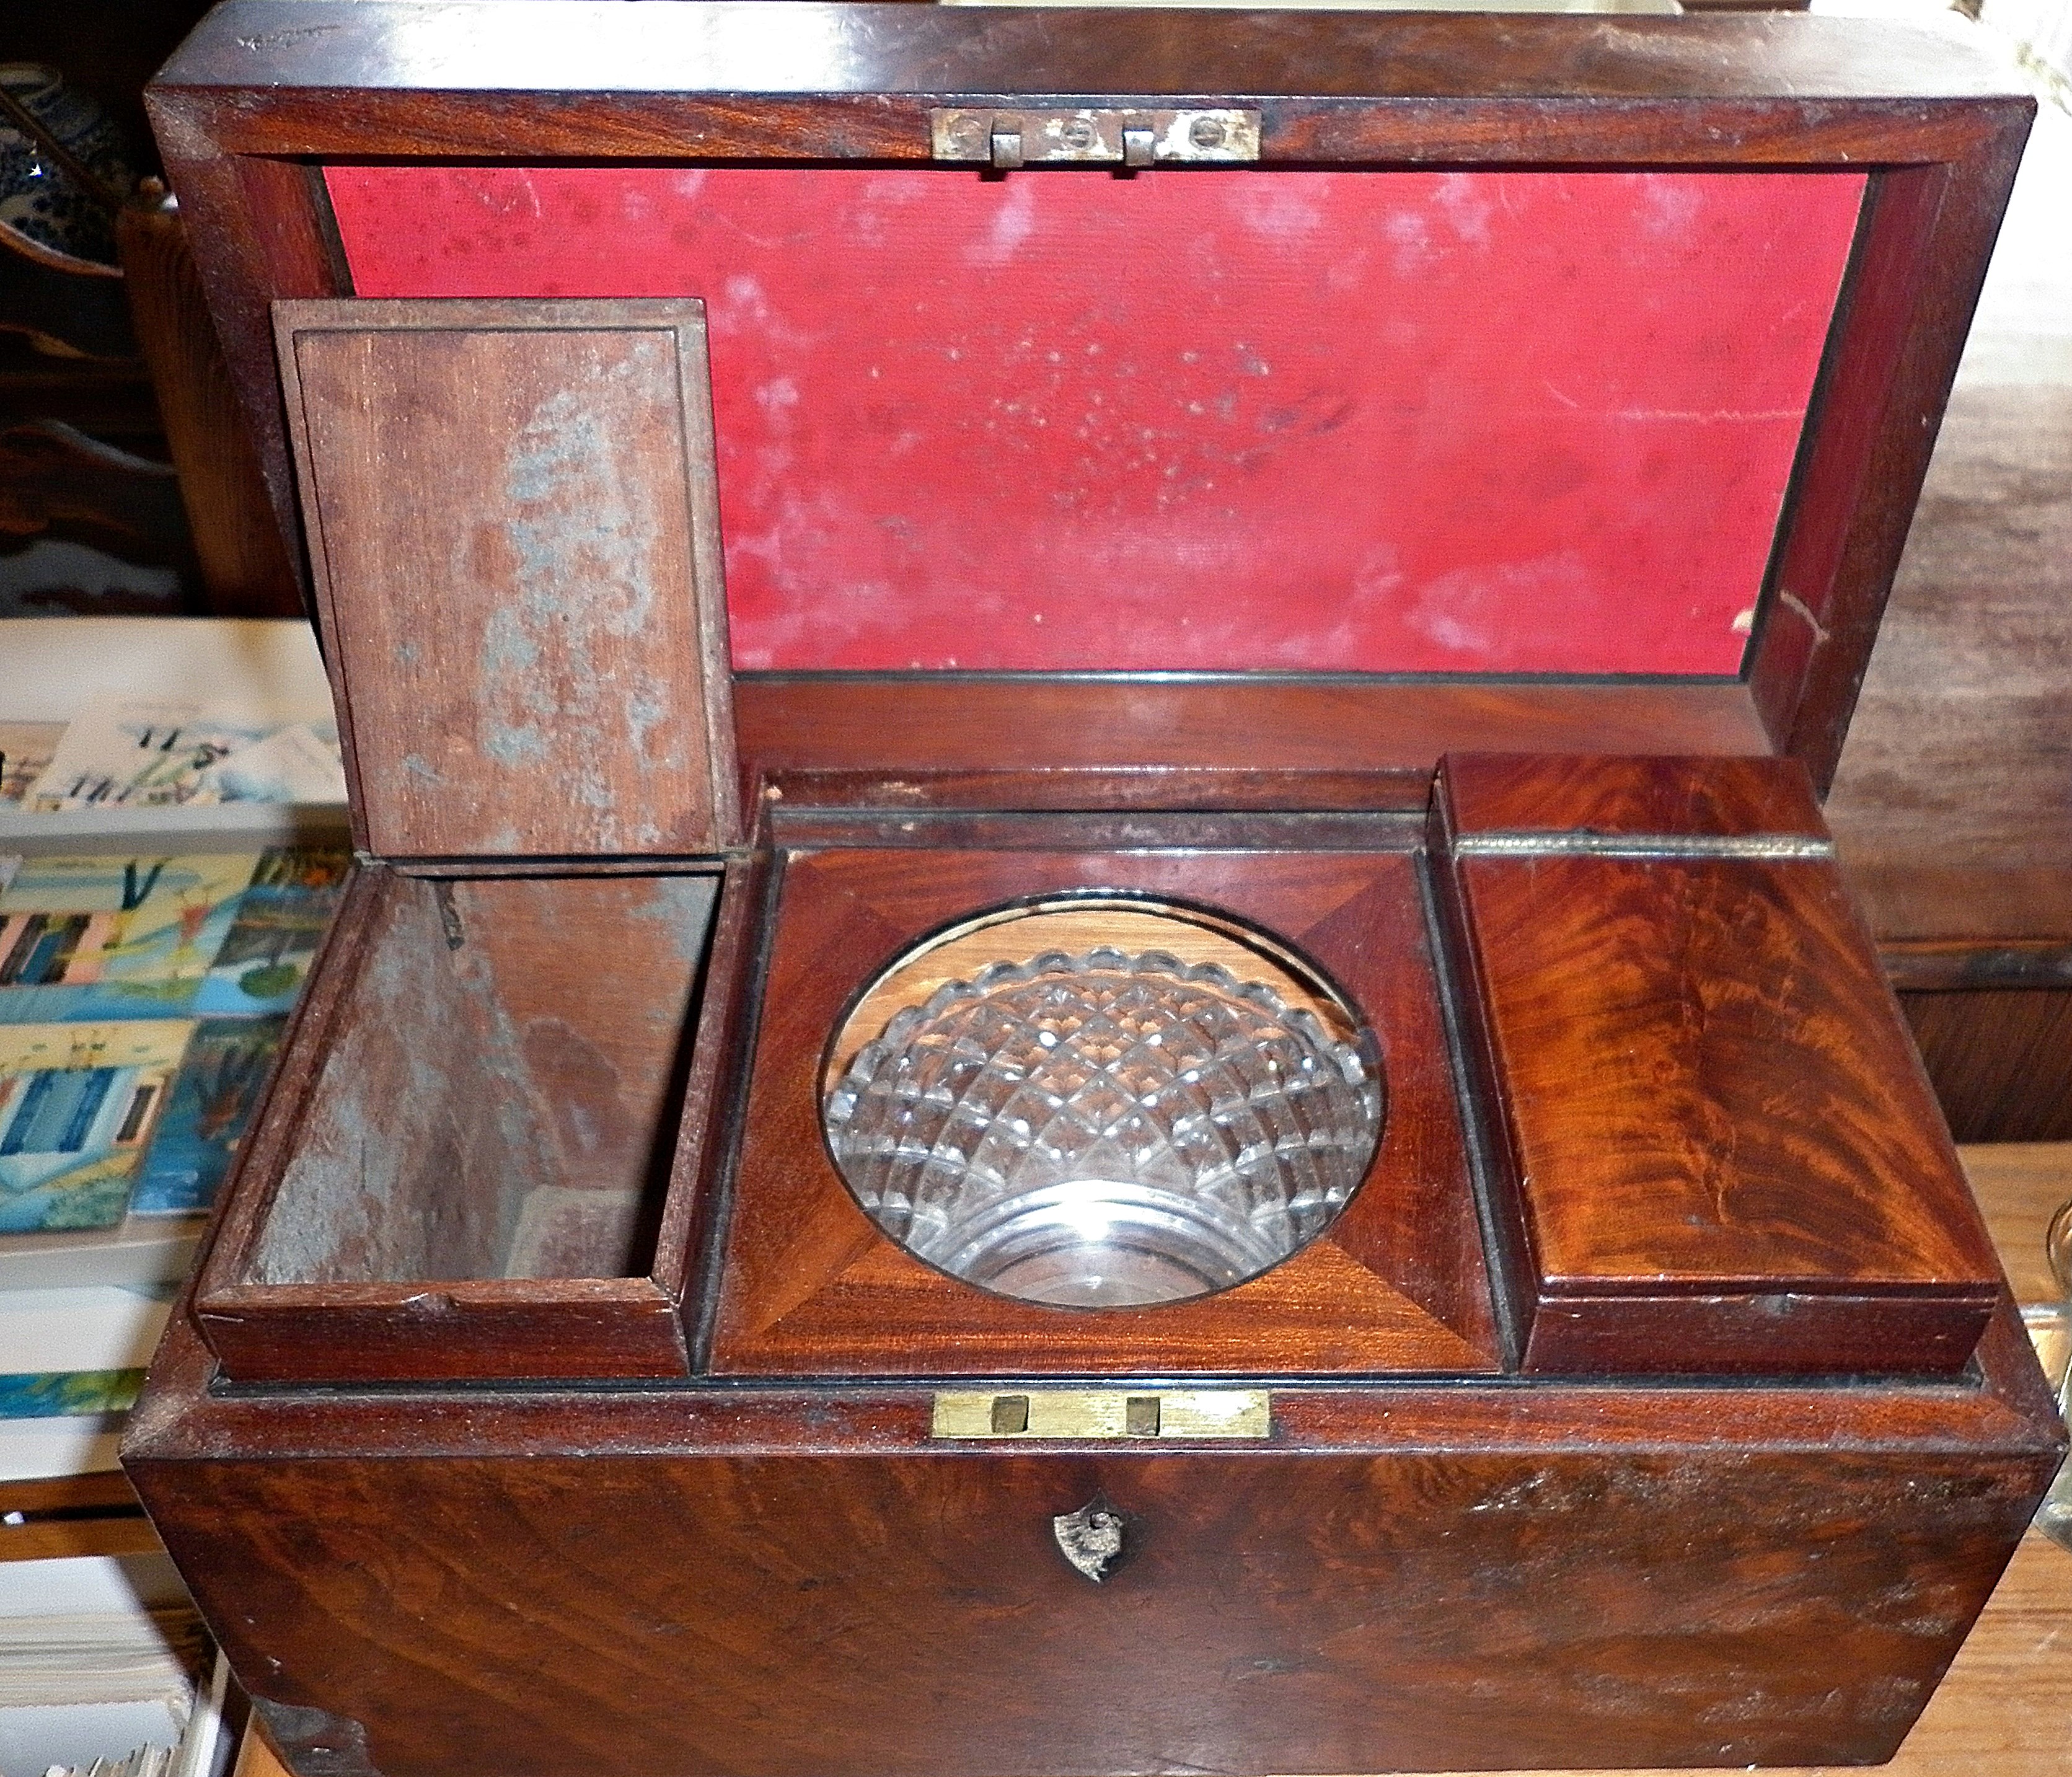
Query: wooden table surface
[2005, 1710]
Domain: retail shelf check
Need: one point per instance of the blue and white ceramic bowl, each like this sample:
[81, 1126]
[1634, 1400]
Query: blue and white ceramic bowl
[40, 198]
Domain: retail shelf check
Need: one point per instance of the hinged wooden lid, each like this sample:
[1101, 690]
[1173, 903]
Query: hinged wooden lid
[1713, 1147]
[1545, 385]
[512, 528]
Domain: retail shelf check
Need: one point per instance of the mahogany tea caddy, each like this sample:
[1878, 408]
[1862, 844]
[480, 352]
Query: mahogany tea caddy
[807, 503]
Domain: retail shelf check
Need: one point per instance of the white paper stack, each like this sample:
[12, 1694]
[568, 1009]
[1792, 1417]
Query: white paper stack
[98, 1655]
[173, 726]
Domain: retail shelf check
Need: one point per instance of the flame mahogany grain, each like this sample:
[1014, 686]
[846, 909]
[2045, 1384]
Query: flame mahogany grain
[1719, 1150]
[703, 1581]
[1549, 793]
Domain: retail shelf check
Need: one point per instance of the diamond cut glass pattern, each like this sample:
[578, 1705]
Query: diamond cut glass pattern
[1104, 1129]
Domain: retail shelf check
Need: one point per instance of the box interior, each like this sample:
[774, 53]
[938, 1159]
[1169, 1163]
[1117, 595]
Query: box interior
[501, 1094]
[1221, 420]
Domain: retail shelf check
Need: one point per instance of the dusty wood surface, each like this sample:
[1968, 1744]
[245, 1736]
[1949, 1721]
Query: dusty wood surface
[532, 662]
[559, 1004]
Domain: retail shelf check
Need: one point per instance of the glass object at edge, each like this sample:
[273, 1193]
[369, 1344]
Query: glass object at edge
[2053, 1517]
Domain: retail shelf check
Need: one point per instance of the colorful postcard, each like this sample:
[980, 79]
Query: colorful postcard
[78, 1104]
[122, 752]
[205, 1116]
[282, 918]
[89, 938]
[63, 1394]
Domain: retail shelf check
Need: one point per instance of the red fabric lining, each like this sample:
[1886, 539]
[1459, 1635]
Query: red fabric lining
[1487, 422]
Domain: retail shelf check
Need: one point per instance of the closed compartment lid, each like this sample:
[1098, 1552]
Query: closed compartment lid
[1715, 1148]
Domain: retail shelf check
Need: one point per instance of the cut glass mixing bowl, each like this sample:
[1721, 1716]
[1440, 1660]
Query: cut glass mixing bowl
[1104, 1129]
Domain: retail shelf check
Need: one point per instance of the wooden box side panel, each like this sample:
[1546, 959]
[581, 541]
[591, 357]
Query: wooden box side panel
[1636, 796]
[1185, 743]
[880, 1615]
[512, 525]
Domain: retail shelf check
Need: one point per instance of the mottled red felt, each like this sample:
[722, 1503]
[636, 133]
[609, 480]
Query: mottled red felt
[1488, 422]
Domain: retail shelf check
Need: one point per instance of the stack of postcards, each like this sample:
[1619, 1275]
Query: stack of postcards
[152, 944]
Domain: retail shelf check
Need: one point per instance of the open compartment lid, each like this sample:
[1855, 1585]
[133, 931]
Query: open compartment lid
[511, 527]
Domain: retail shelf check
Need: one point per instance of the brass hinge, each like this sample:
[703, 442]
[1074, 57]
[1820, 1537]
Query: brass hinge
[1007, 139]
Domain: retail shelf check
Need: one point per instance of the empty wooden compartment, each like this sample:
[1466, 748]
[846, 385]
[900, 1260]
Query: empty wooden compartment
[482, 1156]
[497, 1100]
[478, 1179]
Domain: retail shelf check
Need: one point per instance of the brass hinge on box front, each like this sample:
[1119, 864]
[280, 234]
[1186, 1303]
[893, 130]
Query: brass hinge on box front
[1007, 139]
[1103, 1412]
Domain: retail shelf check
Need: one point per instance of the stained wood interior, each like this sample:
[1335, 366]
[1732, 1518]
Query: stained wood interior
[500, 1099]
[509, 512]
